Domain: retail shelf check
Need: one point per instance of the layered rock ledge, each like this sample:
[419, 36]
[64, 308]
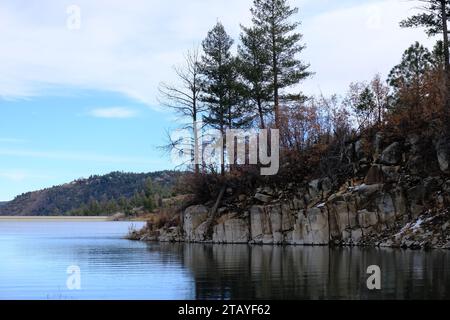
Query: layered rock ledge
[399, 197]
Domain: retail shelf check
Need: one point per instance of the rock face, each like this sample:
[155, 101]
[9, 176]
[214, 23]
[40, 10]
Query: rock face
[231, 231]
[392, 155]
[389, 191]
[443, 154]
[193, 218]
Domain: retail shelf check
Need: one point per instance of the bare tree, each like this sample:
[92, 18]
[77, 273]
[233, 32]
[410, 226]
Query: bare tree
[184, 99]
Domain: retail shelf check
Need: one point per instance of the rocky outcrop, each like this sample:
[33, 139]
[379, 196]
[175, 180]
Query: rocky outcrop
[442, 146]
[231, 231]
[392, 193]
[194, 223]
[392, 155]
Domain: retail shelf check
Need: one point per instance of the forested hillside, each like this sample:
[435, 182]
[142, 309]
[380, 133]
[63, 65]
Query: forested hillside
[96, 195]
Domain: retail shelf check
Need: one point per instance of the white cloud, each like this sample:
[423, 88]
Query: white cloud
[113, 113]
[121, 47]
[130, 47]
[354, 43]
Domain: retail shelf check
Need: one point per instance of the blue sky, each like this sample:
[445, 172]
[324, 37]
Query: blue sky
[82, 101]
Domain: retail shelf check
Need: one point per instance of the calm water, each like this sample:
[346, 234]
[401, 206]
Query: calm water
[34, 257]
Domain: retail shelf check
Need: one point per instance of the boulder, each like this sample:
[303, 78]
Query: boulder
[193, 217]
[170, 235]
[442, 147]
[315, 189]
[360, 153]
[263, 197]
[390, 174]
[413, 142]
[374, 176]
[392, 155]
[366, 194]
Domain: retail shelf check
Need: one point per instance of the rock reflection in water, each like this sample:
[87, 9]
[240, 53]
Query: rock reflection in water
[275, 272]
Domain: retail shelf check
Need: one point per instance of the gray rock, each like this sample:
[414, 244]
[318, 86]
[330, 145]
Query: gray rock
[374, 176]
[260, 228]
[377, 143]
[442, 147]
[193, 217]
[367, 219]
[390, 174]
[359, 150]
[231, 231]
[392, 155]
[416, 164]
[301, 233]
[413, 141]
[287, 218]
[319, 228]
[386, 209]
[314, 189]
[326, 186]
[263, 197]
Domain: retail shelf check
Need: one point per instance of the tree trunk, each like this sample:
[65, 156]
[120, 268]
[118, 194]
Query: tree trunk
[196, 146]
[261, 114]
[446, 51]
[222, 155]
[213, 213]
[276, 101]
[276, 98]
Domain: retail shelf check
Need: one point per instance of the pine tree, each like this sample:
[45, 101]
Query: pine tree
[221, 88]
[254, 62]
[272, 18]
[408, 76]
[435, 21]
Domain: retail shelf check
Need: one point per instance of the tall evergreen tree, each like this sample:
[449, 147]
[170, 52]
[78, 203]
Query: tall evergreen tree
[220, 85]
[272, 18]
[254, 62]
[408, 76]
[435, 21]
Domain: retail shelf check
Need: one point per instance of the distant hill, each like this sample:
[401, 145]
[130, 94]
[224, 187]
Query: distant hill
[105, 194]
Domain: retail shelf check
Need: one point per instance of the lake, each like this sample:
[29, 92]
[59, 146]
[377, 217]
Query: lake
[35, 256]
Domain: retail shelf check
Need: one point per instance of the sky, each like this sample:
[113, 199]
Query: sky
[79, 78]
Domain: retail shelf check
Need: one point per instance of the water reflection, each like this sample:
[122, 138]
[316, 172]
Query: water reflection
[266, 272]
[34, 257]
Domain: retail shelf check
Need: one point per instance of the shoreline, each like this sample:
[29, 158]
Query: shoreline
[53, 218]
[67, 218]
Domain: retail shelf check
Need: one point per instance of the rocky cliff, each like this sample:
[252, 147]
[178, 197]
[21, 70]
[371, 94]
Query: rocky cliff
[398, 197]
